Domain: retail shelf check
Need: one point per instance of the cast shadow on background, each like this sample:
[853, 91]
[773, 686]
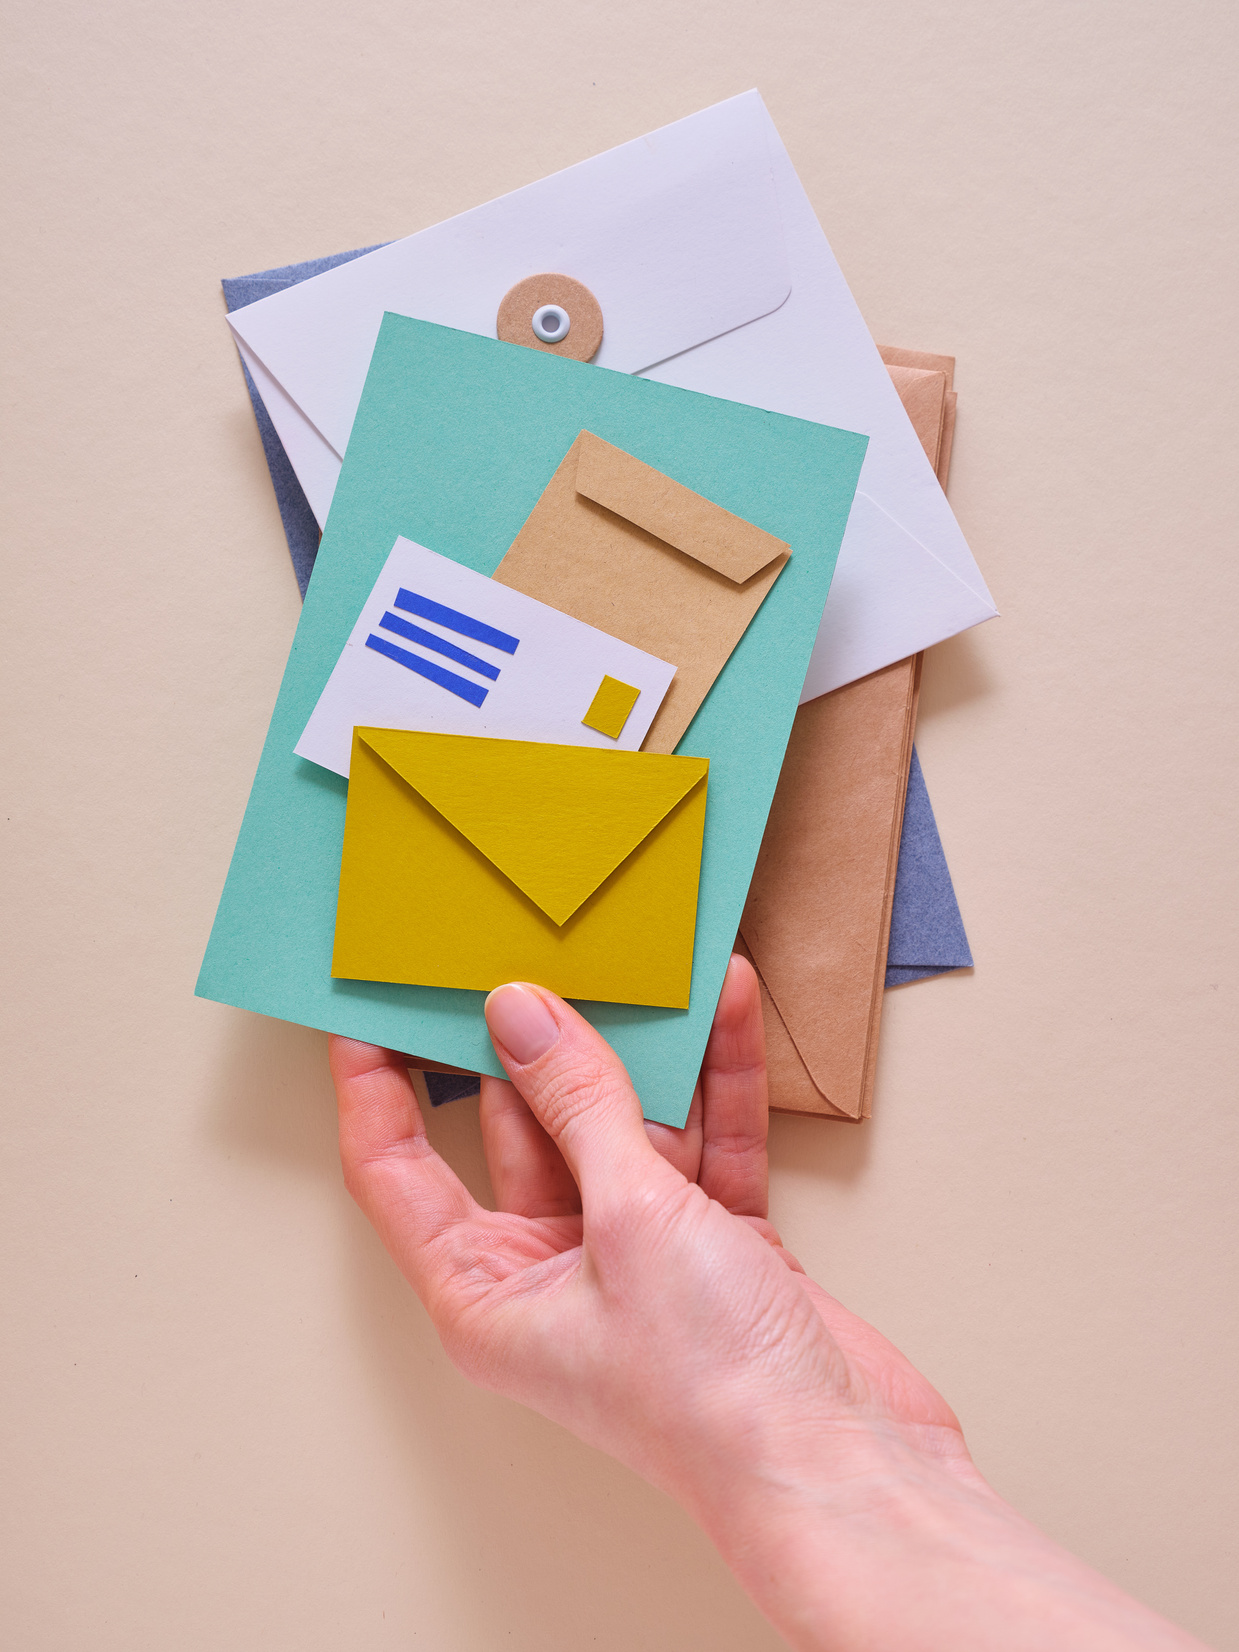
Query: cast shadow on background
[956, 672]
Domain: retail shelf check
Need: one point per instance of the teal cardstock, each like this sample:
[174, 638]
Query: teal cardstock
[454, 441]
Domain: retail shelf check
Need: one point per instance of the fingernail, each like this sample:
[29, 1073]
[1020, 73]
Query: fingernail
[521, 1022]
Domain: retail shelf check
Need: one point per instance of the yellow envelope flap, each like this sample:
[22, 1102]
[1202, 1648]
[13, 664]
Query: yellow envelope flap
[671, 512]
[555, 820]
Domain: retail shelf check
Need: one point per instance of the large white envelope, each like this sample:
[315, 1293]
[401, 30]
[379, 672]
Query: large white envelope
[713, 274]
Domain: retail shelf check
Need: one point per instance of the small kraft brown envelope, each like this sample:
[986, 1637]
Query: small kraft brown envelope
[619, 545]
[817, 921]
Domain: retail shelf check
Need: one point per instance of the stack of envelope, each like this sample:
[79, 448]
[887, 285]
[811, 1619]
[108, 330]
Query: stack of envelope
[666, 533]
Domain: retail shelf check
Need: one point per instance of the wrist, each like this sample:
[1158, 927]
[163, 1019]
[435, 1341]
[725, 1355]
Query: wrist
[861, 1537]
[816, 1527]
[843, 1548]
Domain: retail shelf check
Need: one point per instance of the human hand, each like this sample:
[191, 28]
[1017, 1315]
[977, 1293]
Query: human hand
[630, 1286]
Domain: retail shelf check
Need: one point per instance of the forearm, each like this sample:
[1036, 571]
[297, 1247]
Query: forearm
[873, 1546]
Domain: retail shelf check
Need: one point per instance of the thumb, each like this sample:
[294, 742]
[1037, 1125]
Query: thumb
[576, 1087]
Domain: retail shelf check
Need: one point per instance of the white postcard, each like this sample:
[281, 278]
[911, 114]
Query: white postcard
[441, 648]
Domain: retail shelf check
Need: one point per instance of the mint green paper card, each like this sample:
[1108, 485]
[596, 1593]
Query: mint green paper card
[454, 441]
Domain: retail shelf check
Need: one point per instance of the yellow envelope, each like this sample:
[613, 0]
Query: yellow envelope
[469, 862]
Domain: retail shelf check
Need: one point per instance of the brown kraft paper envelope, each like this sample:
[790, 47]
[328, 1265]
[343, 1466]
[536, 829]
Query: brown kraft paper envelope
[923, 394]
[893, 356]
[619, 545]
[905, 368]
[817, 921]
[818, 914]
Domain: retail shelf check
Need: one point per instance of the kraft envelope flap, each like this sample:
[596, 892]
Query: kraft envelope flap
[556, 827]
[642, 495]
[816, 915]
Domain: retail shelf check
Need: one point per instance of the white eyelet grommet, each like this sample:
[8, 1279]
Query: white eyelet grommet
[551, 323]
[525, 308]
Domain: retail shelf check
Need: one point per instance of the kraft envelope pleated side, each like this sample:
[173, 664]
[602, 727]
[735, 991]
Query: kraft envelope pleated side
[455, 440]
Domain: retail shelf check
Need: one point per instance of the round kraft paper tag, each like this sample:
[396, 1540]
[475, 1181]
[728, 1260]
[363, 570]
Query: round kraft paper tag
[551, 312]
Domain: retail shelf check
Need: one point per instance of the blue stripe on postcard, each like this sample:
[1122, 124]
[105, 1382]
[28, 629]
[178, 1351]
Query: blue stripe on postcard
[424, 608]
[461, 686]
[440, 645]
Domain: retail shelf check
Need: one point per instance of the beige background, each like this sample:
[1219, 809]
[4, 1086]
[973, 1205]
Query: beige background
[227, 1422]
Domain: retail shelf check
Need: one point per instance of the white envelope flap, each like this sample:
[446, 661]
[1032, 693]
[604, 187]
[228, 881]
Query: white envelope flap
[922, 601]
[678, 235]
